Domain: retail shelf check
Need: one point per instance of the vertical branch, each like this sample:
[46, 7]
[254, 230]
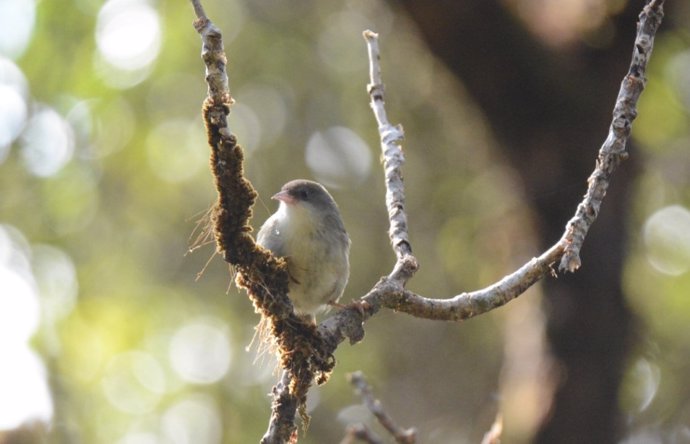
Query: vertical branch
[393, 160]
[281, 426]
[263, 275]
[613, 152]
[214, 58]
[402, 436]
[236, 196]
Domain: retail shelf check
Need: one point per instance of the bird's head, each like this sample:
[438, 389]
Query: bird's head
[304, 194]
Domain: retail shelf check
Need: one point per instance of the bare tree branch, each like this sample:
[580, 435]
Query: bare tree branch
[199, 10]
[493, 436]
[362, 433]
[393, 159]
[401, 435]
[389, 292]
[306, 352]
[613, 152]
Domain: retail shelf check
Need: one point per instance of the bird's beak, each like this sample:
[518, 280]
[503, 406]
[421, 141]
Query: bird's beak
[283, 196]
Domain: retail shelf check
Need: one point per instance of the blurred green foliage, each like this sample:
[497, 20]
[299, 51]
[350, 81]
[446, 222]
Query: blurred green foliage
[138, 350]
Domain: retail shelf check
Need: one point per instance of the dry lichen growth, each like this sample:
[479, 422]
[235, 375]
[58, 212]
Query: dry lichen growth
[264, 276]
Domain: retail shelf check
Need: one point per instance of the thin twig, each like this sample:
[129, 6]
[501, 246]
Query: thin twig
[402, 436]
[493, 435]
[393, 158]
[360, 432]
[199, 10]
[214, 58]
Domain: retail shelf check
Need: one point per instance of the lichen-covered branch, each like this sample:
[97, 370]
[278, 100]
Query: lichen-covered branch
[263, 275]
[468, 305]
[393, 160]
[236, 196]
[613, 152]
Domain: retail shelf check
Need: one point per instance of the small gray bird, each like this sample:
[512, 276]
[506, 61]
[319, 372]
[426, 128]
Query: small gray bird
[308, 231]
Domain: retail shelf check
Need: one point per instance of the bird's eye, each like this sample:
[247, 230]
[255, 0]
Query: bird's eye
[303, 194]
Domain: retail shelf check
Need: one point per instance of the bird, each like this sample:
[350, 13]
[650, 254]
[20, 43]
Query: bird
[308, 231]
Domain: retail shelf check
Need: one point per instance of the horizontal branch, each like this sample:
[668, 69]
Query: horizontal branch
[468, 305]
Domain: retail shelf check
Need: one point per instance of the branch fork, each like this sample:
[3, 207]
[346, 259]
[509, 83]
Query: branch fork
[307, 351]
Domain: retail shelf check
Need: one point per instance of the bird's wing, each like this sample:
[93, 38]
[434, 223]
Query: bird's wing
[270, 238]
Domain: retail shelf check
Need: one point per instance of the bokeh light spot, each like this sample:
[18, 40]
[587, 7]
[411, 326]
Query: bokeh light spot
[679, 72]
[128, 34]
[200, 352]
[57, 281]
[338, 44]
[139, 438]
[338, 157]
[246, 126]
[12, 117]
[667, 240]
[354, 414]
[19, 308]
[73, 199]
[24, 394]
[134, 382]
[114, 127]
[175, 150]
[193, 420]
[14, 249]
[271, 110]
[12, 76]
[120, 79]
[646, 377]
[48, 143]
[17, 19]
[81, 119]
[13, 108]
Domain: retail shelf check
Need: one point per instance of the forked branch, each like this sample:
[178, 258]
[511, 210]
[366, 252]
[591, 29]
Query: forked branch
[307, 353]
